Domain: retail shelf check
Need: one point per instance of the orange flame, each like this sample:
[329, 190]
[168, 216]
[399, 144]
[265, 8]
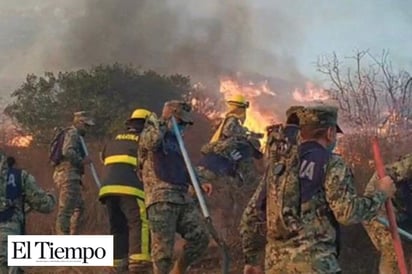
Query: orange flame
[257, 118]
[21, 141]
[258, 94]
[310, 94]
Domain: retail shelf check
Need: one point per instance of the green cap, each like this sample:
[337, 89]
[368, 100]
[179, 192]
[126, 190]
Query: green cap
[321, 116]
[180, 109]
[293, 110]
[83, 117]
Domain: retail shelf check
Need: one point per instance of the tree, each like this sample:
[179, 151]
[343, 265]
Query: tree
[109, 92]
[371, 93]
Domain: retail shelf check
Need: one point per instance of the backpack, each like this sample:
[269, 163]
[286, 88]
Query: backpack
[279, 137]
[283, 194]
[56, 147]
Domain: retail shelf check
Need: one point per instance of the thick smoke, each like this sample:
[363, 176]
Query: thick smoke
[203, 39]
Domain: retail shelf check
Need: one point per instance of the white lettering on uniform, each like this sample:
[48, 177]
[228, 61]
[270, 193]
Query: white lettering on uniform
[12, 180]
[307, 169]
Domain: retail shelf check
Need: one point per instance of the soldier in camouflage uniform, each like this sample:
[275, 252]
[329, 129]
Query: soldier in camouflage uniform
[166, 181]
[17, 189]
[231, 130]
[401, 172]
[327, 194]
[253, 240]
[68, 176]
[227, 167]
[225, 143]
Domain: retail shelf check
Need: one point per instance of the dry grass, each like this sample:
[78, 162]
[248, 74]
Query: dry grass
[358, 254]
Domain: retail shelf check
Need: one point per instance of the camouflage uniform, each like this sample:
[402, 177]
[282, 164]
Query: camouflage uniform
[227, 173]
[166, 181]
[68, 178]
[227, 200]
[230, 132]
[34, 197]
[400, 171]
[312, 247]
[253, 225]
[233, 127]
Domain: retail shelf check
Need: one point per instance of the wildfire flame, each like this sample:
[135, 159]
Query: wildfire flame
[21, 141]
[310, 94]
[257, 118]
[207, 107]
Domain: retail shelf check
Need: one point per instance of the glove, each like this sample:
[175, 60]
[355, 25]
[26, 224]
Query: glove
[235, 155]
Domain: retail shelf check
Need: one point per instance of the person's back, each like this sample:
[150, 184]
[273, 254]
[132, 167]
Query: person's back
[253, 220]
[123, 195]
[170, 207]
[161, 184]
[68, 176]
[71, 160]
[120, 159]
[328, 197]
[230, 166]
[231, 135]
[18, 189]
[233, 157]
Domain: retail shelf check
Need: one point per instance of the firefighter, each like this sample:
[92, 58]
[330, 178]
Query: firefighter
[232, 124]
[122, 193]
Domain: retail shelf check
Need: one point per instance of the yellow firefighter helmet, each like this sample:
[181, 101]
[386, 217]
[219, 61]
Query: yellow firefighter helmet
[237, 100]
[140, 113]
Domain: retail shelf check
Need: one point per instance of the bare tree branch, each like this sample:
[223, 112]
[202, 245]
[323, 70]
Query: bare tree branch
[370, 91]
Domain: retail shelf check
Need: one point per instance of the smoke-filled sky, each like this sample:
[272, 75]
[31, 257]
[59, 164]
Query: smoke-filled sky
[273, 38]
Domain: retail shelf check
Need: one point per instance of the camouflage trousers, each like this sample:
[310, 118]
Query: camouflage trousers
[382, 240]
[9, 228]
[226, 203]
[166, 219]
[290, 260]
[71, 207]
[226, 207]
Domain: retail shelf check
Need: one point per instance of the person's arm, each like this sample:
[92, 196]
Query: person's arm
[347, 206]
[400, 171]
[69, 149]
[35, 197]
[233, 128]
[153, 133]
